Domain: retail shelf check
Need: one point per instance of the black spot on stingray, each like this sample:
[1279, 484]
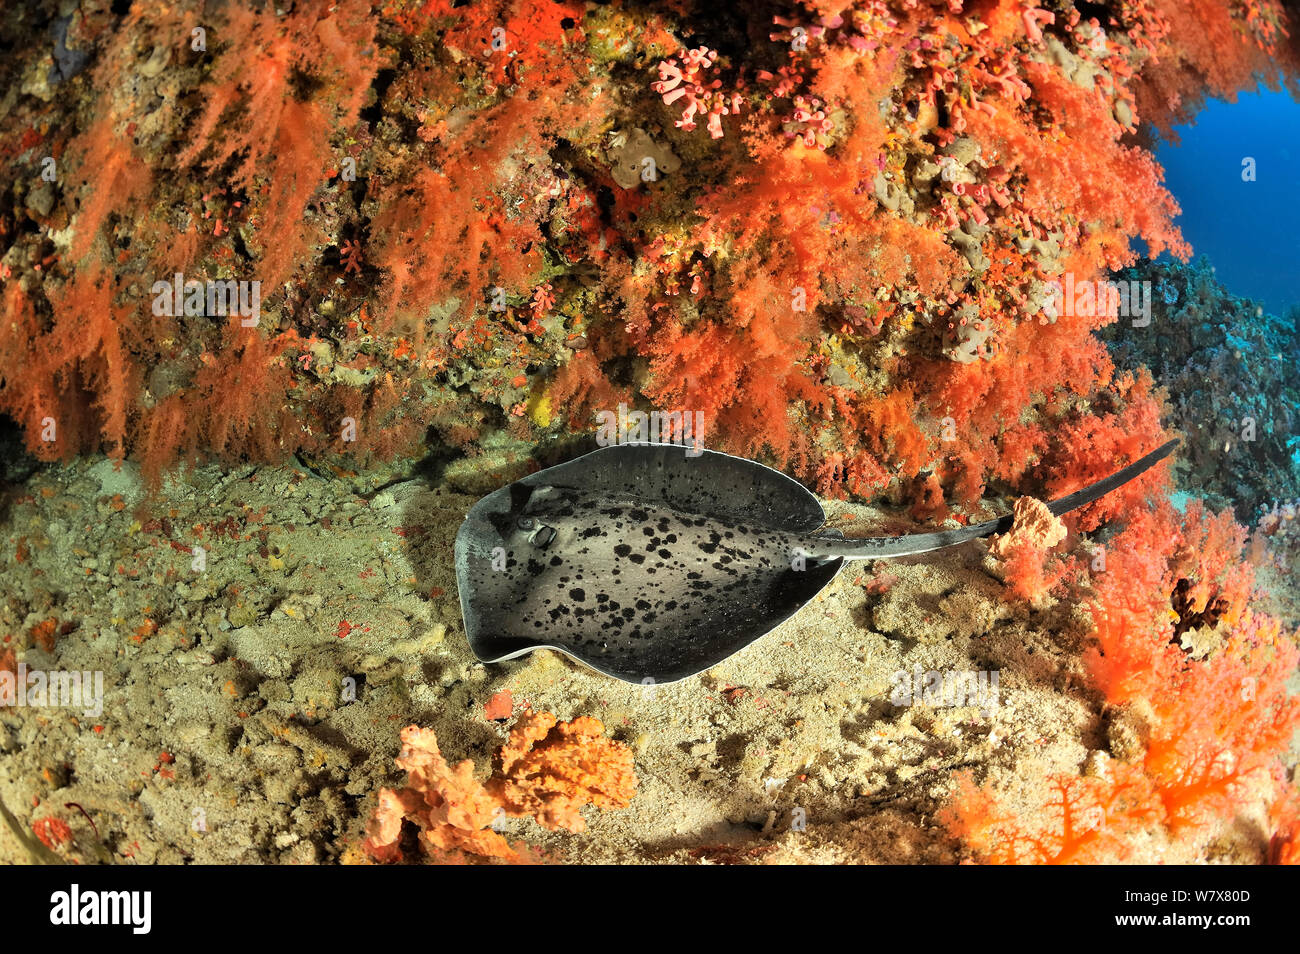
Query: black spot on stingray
[534, 567]
[708, 548]
[671, 538]
[591, 532]
[642, 605]
[637, 514]
[670, 605]
[602, 597]
[577, 594]
[694, 576]
[648, 531]
[665, 553]
[622, 550]
[629, 613]
[556, 561]
[637, 558]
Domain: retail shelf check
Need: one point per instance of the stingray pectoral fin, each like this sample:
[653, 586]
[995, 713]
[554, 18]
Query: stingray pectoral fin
[877, 548]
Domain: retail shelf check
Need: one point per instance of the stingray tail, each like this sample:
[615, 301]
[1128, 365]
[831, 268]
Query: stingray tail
[877, 548]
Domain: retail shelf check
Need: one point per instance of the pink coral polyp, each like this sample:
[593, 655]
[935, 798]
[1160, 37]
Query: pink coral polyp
[685, 80]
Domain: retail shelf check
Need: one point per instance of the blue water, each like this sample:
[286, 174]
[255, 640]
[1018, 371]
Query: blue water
[1249, 230]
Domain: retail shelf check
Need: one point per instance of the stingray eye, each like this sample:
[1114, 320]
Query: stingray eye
[527, 523]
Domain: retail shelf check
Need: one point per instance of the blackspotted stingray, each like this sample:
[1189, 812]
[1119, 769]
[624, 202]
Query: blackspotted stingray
[651, 564]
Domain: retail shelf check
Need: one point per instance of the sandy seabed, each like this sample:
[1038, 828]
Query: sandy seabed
[252, 710]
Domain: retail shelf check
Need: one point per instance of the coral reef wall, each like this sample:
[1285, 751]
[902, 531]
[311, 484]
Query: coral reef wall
[1229, 368]
[348, 229]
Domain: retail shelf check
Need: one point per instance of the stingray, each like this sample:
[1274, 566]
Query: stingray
[651, 564]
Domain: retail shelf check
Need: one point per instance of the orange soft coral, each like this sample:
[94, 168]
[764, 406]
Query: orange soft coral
[1022, 551]
[549, 771]
[1221, 725]
[1284, 846]
[903, 183]
[1217, 731]
[447, 804]
[1217, 726]
[1068, 820]
[546, 770]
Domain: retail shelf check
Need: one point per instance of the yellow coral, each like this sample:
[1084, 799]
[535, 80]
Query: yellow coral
[539, 408]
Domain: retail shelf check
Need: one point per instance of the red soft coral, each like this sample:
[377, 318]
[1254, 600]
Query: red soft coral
[1123, 426]
[1063, 819]
[1222, 723]
[1216, 728]
[270, 130]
